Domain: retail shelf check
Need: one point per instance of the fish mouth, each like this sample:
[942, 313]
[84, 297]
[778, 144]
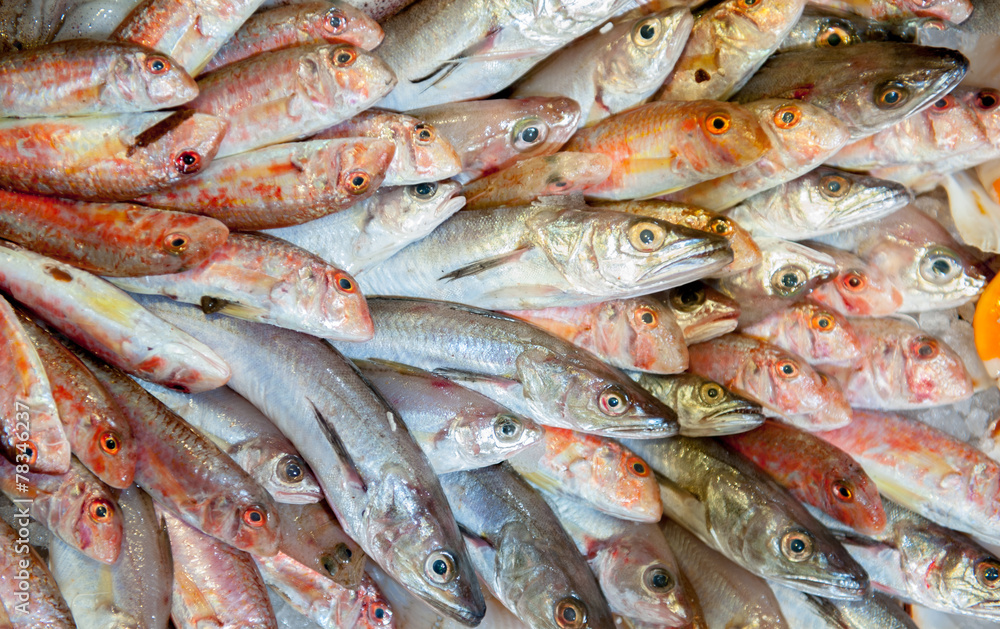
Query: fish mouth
[844, 587]
[724, 324]
[882, 198]
[652, 428]
[689, 259]
[746, 417]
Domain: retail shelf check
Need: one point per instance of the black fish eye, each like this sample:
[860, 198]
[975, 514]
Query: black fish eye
[647, 31]
[530, 135]
[789, 280]
[424, 190]
[646, 236]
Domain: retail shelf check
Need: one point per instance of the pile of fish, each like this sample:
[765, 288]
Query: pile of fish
[550, 314]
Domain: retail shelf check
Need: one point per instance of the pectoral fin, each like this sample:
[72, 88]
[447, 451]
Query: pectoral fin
[485, 264]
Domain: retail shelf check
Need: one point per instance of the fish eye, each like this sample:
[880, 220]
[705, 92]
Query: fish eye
[711, 392]
[422, 191]
[786, 368]
[254, 516]
[379, 614]
[440, 567]
[646, 236]
[924, 347]
[344, 282]
[748, 4]
[613, 401]
[571, 613]
[424, 133]
[797, 546]
[157, 64]
[637, 466]
[110, 443]
[891, 95]
[842, 491]
[940, 266]
[188, 162]
[291, 469]
[822, 322]
[987, 99]
[176, 242]
[833, 186]
[789, 280]
[787, 117]
[528, 133]
[687, 298]
[833, 36]
[344, 56]
[100, 511]
[335, 21]
[721, 226]
[944, 103]
[507, 428]
[646, 316]
[646, 32]
[26, 449]
[357, 182]
[988, 574]
[657, 579]
[718, 123]
[854, 281]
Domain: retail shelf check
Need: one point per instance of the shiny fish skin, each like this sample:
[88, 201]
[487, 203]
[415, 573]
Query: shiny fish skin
[522, 553]
[373, 474]
[955, 11]
[281, 95]
[563, 173]
[731, 505]
[702, 312]
[458, 429]
[807, 611]
[817, 334]
[312, 536]
[296, 25]
[611, 70]
[850, 81]
[281, 185]
[704, 407]
[116, 239]
[81, 77]
[858, 289]
[105, 320]
[820, 26]
[46, 609]
[815, 472]
[262, 278]
[106, 158]
[663, 146]
[524, 368]
[372, 230]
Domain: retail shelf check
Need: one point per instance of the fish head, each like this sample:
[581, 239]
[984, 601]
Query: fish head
[927, 272]
[858, 288]
[179, 146]
[246, 519]
[964, 573]
[282, 473]
[111, 453]
[423, 154]
[810, 330]
[787, 271]
[985, 104]
[722, 136]
[376, 612]
[420, 207]
[935, 374]
[98, 528]
[569, 171]
[623, 481]
[361, 164]
[640, 333]
[488, 432]
[529, 127]
[706, 408]
[954, 11]
[163, 81]
[761, 19]
[343, 23]
[800, 133]
[177, 235]
[642, 576]
[850, 496]
[831, 199]
[342, 76]
[701, 311]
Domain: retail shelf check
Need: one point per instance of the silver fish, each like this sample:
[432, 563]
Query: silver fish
[704, 407]
[808, 611]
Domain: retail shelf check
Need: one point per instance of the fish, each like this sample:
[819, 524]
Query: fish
[868, 86]
[702, 312]
[280, 95]
[551, 253]
[599, 471]
[422, 153]
[564, 173]
[728, 43]
[613, 69]
[458, 429]
[954, 11]
[374, 229]
[782, 383]
[815, 472]
[731, 505]
[116, 239]
[639, 333]
[520, 366]
[282, 185]
[822, 201]
[820, 27]
[491, 135]
[813, 332]
[704, 407]
[295, 25]
[858, 289]
[664, 146]
[83, 77]
[901, 367]
[262, 278]
[106, 158]
[312, 536]
[43, 603]
[809, 611]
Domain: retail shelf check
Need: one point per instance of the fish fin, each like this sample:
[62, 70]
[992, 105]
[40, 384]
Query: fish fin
[475, 52]
[683, 507]
[540, 480]
[472, 378]
[346, 462]
[828, 611]
[210, 305]
[395, 366]
[850, 538]
[485, 264]
[200, 610]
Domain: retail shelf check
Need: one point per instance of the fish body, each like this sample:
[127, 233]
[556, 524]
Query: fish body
[312, 536]
[46, 608]
[954, 11]
[820, 27]
[563, 173]
[704, 408]
[807, 611]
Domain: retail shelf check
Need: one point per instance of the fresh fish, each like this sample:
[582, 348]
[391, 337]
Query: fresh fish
[547, 254]
[869, 86]
[214, 582]
[422, 153]
[815, 472]
[458, 429]
[731, 505]
[282, 185]
[81, 77]
[312, 536]
[802, 136]
[704, 408]
[733, 597]
[491, 135]
[811, 331]
[564, 173]
[820, 27]
[858, 289]
[784, 384]
[822, 201]
[117, 239]
[40, 603]
[808, 611]
[600, 471]
[296, 25]
[639, 333]
[518, 365]
[372, 230]
[263, 278]
[373, 474]
[249, 438]
[613, 69]
[664, 146]
[702, 312]
[106, 321]
[925, 470]
[93, 19]
[954, 11]
[521, 551]
[280, 95]
[106, 158]
[901, 367]
[190, 31]
[728, 43]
